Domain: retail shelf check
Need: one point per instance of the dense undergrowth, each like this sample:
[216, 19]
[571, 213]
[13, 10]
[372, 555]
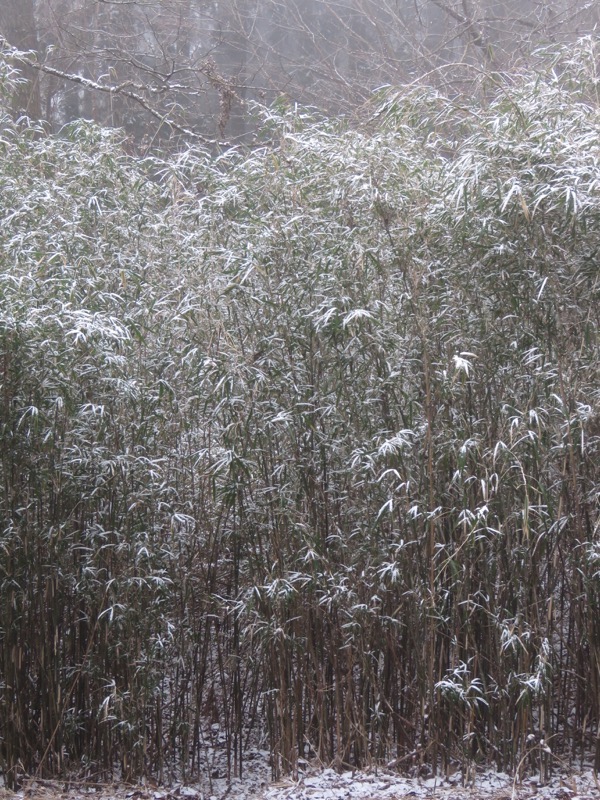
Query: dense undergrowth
[305, 439]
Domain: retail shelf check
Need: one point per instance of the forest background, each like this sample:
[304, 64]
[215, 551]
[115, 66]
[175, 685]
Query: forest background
[300, 406]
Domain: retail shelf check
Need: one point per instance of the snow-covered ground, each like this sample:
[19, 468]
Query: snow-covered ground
[326, 784]
[384, 785]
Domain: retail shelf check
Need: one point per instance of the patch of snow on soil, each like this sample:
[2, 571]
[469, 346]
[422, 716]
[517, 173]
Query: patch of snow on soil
[327, 784]
[383, 785]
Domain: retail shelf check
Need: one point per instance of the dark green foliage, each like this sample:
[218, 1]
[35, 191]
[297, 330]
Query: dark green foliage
[305, 439]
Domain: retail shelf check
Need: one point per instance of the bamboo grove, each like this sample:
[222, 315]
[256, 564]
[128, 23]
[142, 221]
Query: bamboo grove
[302, 442]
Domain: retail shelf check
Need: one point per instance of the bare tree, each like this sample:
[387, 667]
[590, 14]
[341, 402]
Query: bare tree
[188, 67]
